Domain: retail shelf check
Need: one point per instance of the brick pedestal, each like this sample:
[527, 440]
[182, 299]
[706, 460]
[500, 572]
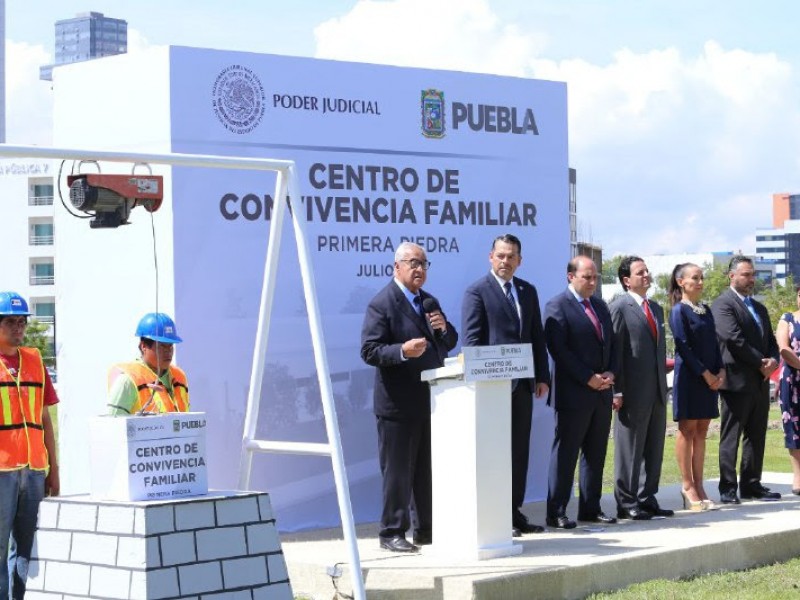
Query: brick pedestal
[220, 546]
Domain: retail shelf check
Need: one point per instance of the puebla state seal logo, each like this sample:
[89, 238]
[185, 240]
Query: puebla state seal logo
[432, 105]
[238, 99]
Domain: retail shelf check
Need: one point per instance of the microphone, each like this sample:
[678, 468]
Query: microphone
[430, 305]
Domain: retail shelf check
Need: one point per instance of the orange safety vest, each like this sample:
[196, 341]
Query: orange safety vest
[21, 406]
[153, 396]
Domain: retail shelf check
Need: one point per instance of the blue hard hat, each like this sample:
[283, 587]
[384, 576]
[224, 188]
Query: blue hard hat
[11, 303]
[158, 327]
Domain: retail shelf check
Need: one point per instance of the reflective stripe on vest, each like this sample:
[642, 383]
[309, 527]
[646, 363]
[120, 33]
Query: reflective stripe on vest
[151, 394]
[21, 429]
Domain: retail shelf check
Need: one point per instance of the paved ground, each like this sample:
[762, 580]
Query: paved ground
[563, 564]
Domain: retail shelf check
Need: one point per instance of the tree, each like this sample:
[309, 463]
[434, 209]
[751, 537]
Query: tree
[35, 337]
[660, 293]
[715, 281]
[609, 269]
[780, 299]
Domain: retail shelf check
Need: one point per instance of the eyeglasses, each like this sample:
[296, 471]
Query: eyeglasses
[417, 264]
[12, 322]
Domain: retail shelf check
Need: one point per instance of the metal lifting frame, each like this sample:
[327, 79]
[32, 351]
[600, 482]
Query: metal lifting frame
[286, 182]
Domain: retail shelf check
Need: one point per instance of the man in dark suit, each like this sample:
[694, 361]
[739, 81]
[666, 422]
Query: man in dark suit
[580, 338]
[502, 309]
[641, 388]
[405, 333]
[750, 355]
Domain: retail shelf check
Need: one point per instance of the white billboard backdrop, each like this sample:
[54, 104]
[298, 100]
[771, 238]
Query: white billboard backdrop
[376, 166]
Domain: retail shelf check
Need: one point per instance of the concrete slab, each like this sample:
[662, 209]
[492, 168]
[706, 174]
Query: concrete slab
[563, 564]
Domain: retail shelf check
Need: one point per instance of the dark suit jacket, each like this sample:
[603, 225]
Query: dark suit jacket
[642, 377]
[389, 321]
[487, 319]
[742, 343]
[576, 351]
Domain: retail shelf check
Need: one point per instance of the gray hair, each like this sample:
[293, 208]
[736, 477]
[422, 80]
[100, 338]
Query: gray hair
[738, 259]
[404, 248]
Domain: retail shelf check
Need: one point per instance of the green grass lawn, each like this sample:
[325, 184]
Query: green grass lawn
[780, 580]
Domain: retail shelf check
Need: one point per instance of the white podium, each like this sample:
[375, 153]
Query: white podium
[471, 457]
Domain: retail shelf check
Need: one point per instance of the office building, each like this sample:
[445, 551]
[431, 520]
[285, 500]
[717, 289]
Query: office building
[85, 37]
[780, 244]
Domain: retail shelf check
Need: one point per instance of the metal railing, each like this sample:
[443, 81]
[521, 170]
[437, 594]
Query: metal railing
[42, 279]
[40, 240]
[45, 319]
[286, 186]
[40, 200]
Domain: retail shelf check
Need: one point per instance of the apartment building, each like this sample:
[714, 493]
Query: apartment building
[26, 211]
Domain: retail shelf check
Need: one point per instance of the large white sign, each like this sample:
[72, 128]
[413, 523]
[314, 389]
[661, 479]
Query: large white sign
[384, 154]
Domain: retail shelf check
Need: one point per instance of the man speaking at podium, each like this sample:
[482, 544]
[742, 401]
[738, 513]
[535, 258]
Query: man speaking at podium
[502, 309]
[151, 384]
[405, 333]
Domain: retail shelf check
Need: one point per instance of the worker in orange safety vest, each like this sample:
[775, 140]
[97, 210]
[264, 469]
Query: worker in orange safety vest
[28, 463]
[151, 384]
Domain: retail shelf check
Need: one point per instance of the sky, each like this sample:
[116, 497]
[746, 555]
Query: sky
[683, 115]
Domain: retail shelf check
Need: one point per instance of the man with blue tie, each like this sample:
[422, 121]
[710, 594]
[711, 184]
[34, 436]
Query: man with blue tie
[405, 333]
[750, 355]
[500, 308]
[580, 338]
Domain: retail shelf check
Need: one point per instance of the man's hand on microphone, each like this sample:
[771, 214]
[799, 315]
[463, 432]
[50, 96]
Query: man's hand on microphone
[437, 321]
[415, 347]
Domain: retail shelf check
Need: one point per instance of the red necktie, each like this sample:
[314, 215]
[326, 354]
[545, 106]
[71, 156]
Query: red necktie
[650, 320]
[587, 307]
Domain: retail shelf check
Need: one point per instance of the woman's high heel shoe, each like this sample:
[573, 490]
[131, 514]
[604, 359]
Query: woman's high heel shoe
[709, 504]
[692, 505]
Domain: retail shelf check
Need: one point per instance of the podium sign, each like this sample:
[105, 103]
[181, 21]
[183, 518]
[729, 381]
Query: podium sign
[505, 361]
[471, 455]
[149, 458]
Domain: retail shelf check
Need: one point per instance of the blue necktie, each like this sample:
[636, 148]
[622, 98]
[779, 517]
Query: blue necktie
[512, 302]
[748, 301]
[418, 305]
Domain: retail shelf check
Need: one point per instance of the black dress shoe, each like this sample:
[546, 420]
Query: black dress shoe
[660, 512]
[422, 538]
[761, 493]
[635, 514]
[560, 522]
[515, 532]
[397, 544]
[528, 528]
[729, 497]
[600, 517]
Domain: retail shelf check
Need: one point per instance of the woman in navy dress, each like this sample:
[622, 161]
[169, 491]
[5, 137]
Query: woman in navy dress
[788, 336]
[698, 376]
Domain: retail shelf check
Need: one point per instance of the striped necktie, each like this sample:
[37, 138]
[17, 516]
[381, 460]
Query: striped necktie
[512, 302]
